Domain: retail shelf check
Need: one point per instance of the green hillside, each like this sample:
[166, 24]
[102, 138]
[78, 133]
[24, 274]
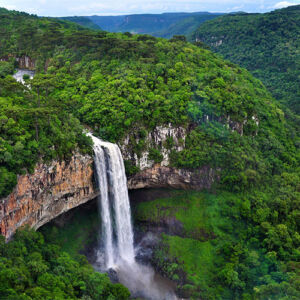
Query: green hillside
[83, 21]
[187, 26]
[268, 45]
[122, 84]
[159, 25]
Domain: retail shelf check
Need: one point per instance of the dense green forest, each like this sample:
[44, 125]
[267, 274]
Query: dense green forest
[226, 248]
[159, 25]
[187, 26]
[33, 269]
[83, 21]
[119, 84]
[266, 44]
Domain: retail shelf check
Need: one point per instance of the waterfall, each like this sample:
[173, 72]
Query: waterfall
[117, 231]
[114, 203]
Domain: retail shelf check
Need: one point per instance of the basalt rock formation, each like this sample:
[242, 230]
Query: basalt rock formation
[48, 192]
[24, 62]
[60, 186]
[167, 177]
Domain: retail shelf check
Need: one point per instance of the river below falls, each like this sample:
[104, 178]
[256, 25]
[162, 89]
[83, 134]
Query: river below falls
[143, 281]
[139, 277]
[21, 72]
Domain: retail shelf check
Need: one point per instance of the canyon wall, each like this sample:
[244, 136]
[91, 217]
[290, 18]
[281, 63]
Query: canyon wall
[60, 186]
[167, 177]
[50, 191]
[24, 62]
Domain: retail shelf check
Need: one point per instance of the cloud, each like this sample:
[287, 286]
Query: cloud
[283, 4]
[8, 6]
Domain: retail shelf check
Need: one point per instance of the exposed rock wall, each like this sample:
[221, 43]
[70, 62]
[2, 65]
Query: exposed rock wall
[158, 139]
[47, 193]
[162, 177]
[56, 188]
[25, 62]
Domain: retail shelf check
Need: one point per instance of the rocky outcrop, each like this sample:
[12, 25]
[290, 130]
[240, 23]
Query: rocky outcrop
[164, 138]
[60, 186]
[25, 62]
[167, 177]
[48, 192]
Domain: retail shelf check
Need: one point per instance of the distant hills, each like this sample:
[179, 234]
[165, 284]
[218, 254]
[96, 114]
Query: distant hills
[159, 25]
[83, 21]
[266, 44]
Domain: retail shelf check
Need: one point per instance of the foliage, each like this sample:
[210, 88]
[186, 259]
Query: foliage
[186, 26]
[159, 25]
[119, 84]
[266, 44]
[232, 245]
[83, 21]
[32, 126]
[6, 68]
[33, 269]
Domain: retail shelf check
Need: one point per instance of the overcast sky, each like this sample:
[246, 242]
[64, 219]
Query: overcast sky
[115, 7]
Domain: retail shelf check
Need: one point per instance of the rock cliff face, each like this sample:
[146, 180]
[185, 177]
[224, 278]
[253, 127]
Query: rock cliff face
[56, 188]
[47, 193]
[166, 177]
[163, 138]
[25, 62]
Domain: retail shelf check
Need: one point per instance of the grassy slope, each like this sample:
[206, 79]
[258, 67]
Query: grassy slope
[215, 258]
[202, 221]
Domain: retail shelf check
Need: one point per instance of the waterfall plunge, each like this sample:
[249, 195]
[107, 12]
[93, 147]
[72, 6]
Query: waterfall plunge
[116, 222]
[114, 197]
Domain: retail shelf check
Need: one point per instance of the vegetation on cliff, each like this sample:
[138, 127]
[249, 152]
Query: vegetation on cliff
[159, 25]
[119, 84]
[83, 21]
[32, 127]
[33, 269]
[228, 245]
[266, 44]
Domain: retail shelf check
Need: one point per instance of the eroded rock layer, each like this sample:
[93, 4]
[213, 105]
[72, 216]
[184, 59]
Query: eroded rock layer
[48, 192]
[163, 176]
[60, 186]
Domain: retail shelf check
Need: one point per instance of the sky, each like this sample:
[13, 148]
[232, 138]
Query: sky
[58, 8]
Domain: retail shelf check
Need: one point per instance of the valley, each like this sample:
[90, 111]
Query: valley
[133, 166]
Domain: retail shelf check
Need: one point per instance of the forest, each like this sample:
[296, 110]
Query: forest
[265, 44]
[119, 84]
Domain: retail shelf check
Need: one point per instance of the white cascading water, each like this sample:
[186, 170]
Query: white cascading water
[20, 73]
[113, 186]
[116, 225]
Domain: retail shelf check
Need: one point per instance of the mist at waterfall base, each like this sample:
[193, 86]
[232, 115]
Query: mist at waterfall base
[118, 253]
[21, 72]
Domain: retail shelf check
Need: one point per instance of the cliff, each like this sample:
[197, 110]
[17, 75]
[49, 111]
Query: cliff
[167, 177]
[48, 192]
[60, 186]
[24, 62]
[158, 138]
